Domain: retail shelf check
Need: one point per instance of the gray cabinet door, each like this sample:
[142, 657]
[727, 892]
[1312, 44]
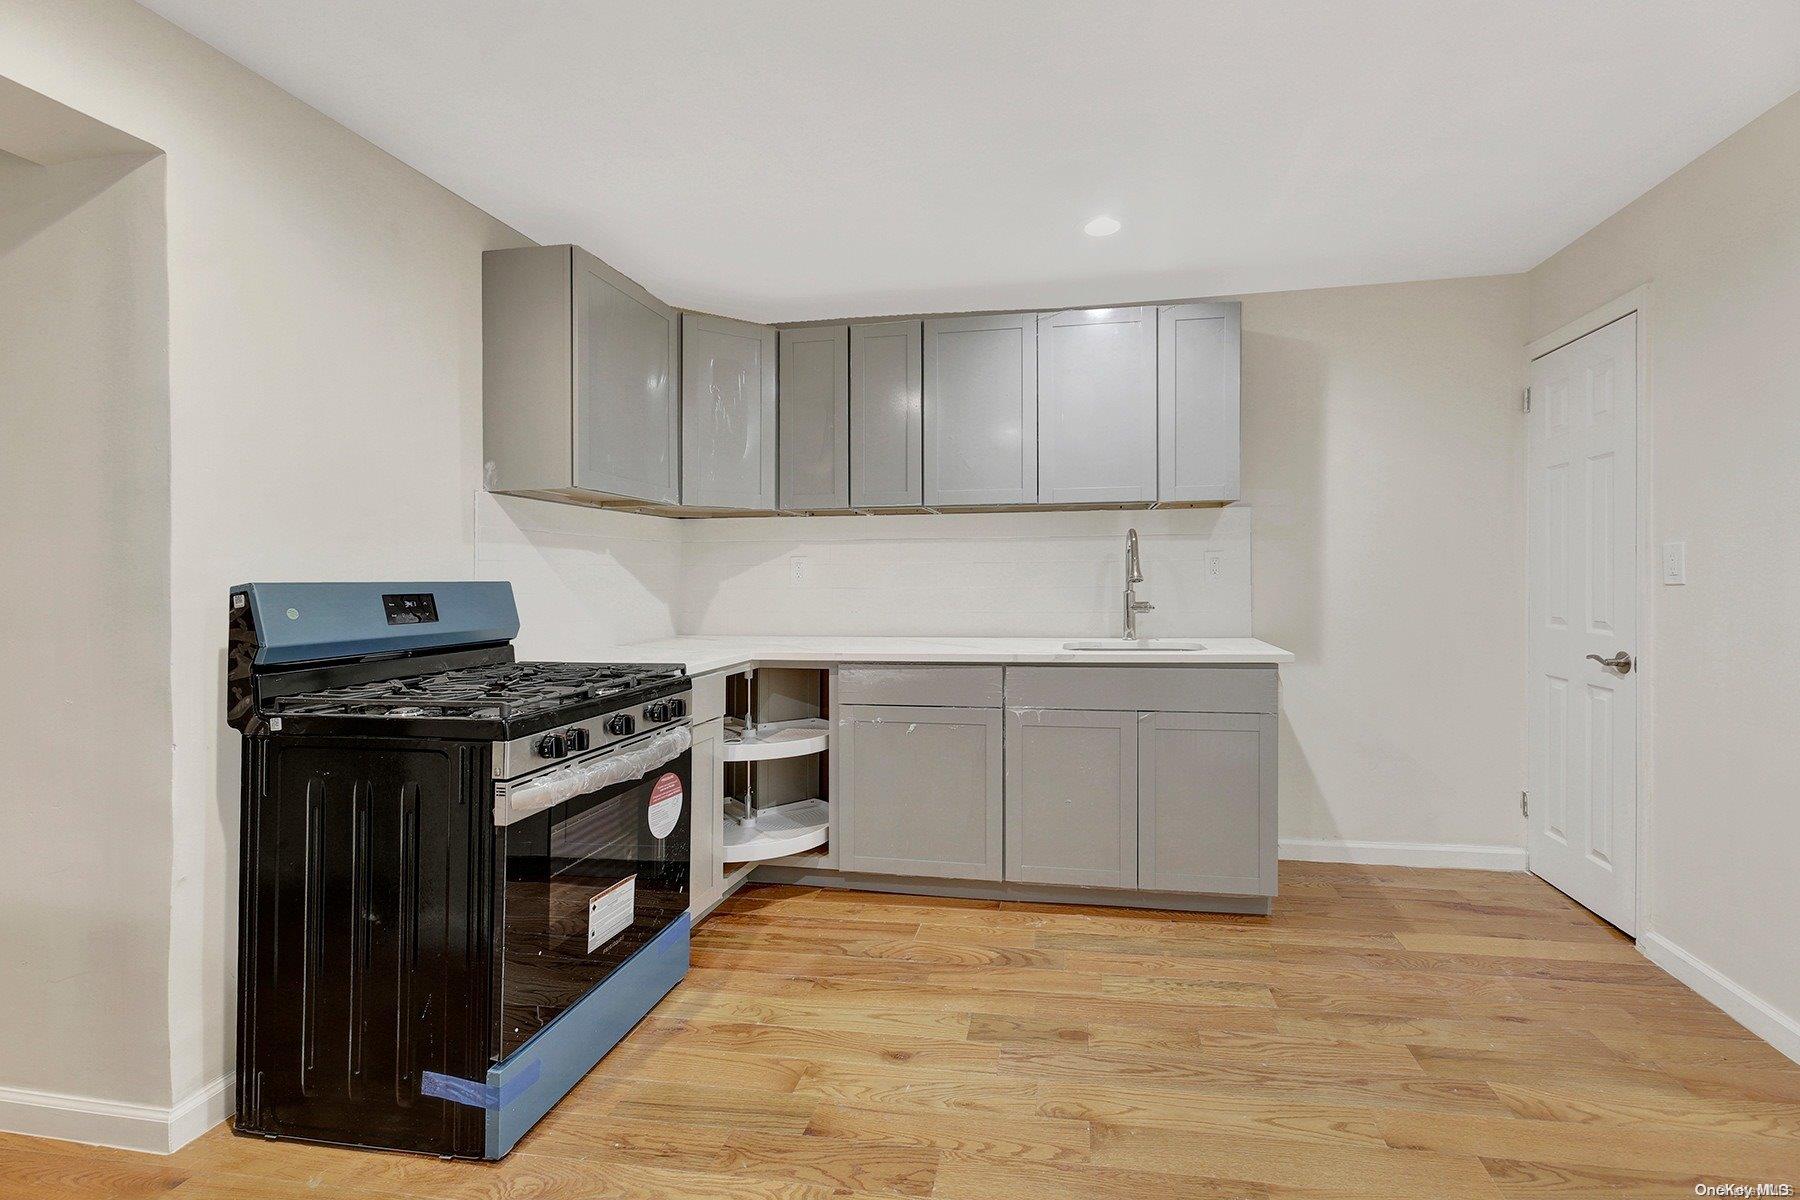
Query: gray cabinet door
[727, 413]
[627, 412]
[1097, 406]
[981, 444]
[706, 851]
[1071, 797]
[815, 417]
[919, 791]
[1197, 369]
[1206, 806]
[887, 427]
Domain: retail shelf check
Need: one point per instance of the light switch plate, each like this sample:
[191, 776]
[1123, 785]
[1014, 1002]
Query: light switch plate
[1674, 563]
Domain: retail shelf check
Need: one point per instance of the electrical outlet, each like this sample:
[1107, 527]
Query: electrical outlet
[1674, 563]
[800, 570]
[1215, 567]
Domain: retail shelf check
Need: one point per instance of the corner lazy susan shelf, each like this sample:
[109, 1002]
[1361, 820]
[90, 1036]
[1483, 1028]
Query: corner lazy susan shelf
[754, 833]
[778, 739]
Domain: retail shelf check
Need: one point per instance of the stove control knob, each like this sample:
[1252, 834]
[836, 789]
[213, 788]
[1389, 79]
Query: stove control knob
[620, 724]
[576, 739]
[678, 708]
[551, 745]
[657, 710]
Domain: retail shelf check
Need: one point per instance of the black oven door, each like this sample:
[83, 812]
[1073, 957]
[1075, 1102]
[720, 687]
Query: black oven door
[589, 881]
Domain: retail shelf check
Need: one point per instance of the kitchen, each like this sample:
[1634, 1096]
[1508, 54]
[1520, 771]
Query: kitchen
[323, 415]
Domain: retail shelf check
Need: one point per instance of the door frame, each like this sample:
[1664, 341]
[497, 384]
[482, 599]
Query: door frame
[1638, 300]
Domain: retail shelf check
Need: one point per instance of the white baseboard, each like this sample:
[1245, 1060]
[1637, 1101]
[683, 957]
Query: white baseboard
[1405, 854]
[112, 1123]
[1746, 1008]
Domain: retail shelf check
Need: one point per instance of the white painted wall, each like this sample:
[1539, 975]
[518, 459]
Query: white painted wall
[1719, 245]
[974, 574]
[84, 713]
[1383, 451]
[324, 419]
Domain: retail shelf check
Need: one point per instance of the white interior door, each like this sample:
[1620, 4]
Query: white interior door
[1581, 500]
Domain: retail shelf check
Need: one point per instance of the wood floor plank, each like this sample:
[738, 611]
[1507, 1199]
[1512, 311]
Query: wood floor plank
[36, 1172]
[1288, 1162]
[1201, 1116]
[1750, 1118]
[1015, 1138]
[1568, 1144]
[1527, 1179]
[971, 1178]
[1386, 1032]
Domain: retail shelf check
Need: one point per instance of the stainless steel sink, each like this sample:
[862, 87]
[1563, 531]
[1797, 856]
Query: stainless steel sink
[1151, 644]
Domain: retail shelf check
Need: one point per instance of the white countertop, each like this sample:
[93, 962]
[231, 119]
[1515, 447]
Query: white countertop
[703, 655]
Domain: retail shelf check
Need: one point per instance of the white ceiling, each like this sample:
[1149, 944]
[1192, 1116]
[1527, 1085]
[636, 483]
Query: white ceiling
[789, 159]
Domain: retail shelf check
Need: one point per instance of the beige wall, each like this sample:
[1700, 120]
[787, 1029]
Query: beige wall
[325, 401]
[1719, 245]
[1383, 454]
[84, 713]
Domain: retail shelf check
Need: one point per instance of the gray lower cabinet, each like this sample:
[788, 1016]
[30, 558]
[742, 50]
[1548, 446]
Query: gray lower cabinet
[919, 791]
[707, 820]
[728, 414]
[1206, 811]
[579, 379]
[1071, 797]
[1198, 351]
[981, 427]
[887, 426]
[1097, 406]
[815, 418]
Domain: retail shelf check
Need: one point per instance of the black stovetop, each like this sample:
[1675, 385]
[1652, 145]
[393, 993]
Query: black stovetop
[513, 694]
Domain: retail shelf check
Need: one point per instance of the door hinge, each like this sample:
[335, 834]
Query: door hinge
[1526, 404]
[1525, 804]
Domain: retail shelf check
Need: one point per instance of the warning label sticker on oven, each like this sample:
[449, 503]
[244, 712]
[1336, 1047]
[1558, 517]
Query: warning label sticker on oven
[610, 912]
[665, 804]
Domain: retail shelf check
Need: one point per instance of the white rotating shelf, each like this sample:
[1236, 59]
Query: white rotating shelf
[778, 739]
[778, 832]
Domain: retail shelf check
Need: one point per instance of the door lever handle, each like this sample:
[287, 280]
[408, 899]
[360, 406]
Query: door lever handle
[1620, 662]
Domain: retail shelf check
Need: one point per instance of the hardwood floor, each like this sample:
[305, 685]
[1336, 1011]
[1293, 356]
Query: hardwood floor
[1388, 1032]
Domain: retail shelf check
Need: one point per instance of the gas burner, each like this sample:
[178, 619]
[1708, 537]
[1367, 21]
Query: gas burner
[499, 691]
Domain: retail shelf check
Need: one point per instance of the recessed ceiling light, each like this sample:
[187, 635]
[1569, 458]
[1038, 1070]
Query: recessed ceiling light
[1101, 227]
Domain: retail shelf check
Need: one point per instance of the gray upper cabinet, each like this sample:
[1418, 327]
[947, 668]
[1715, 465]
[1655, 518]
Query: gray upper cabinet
[981, 391]
[728, 419]
[1207, 803]
[1071, 797]
[579, 378]
[887, 427]
[815, 417]
[1097, 406]
[919, 791]
[1198, 351]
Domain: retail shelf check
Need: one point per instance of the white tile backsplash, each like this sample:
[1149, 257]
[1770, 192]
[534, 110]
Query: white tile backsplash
[585, 578]
[589, 578]
[979, 574]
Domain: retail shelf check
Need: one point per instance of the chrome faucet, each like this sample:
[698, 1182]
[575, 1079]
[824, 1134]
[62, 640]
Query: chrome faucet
[1134, 575]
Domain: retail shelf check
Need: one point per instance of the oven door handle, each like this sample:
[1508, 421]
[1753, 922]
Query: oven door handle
[516, 802]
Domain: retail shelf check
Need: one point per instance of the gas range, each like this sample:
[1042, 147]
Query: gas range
[307, 659]
[464, 876]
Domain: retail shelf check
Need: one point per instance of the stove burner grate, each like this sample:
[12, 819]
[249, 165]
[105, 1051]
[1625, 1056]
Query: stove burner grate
[499, 691]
